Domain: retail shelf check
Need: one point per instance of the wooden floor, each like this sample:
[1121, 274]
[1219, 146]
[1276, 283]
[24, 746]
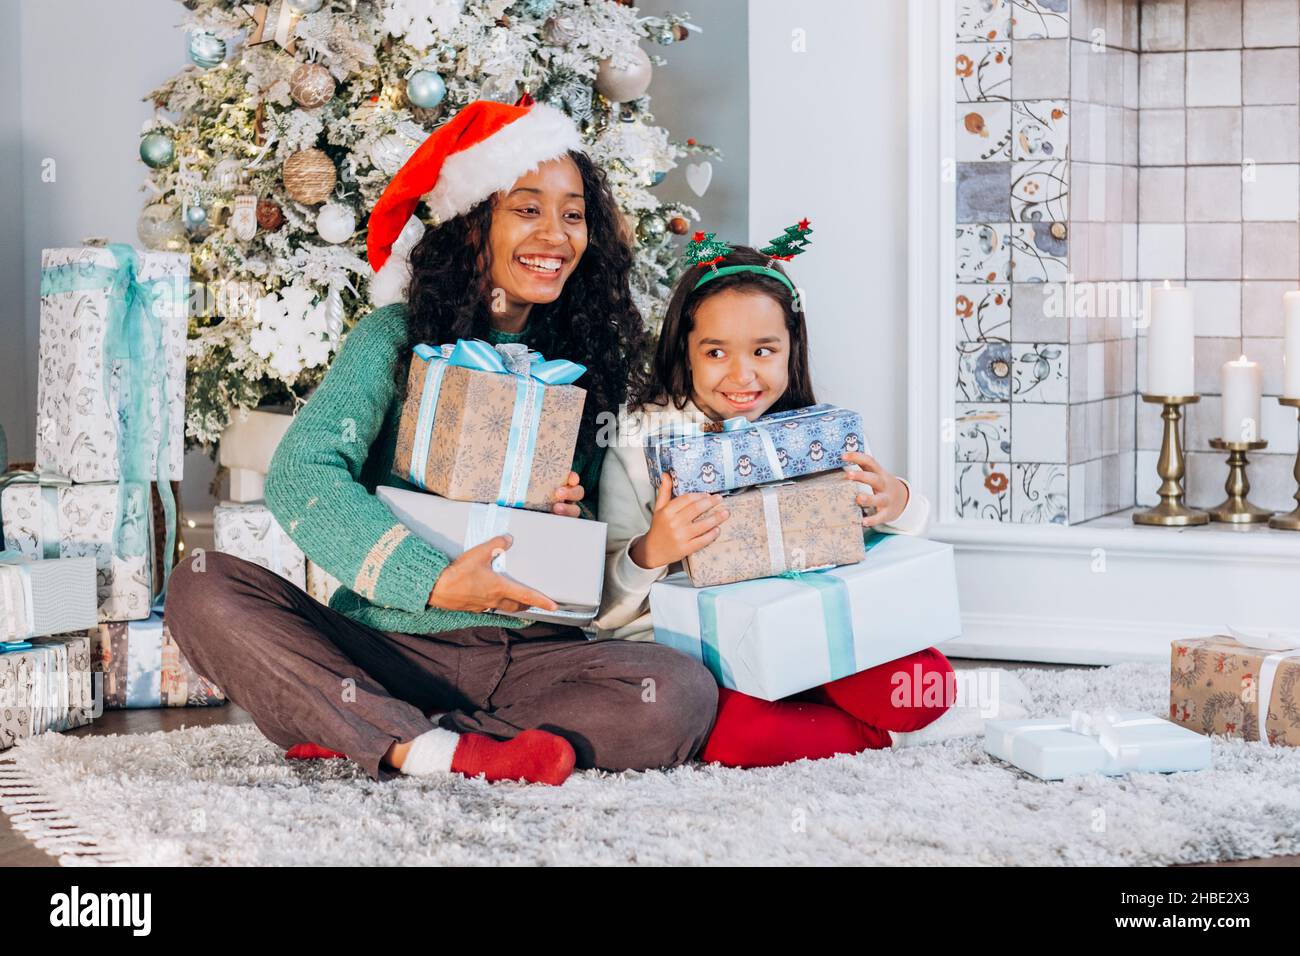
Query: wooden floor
[15, 850]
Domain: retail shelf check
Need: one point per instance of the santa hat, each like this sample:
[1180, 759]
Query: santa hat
[482, 149]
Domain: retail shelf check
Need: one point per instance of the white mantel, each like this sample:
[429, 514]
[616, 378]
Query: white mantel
[1099, 592]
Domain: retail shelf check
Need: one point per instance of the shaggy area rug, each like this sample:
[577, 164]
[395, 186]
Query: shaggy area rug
[225, 795]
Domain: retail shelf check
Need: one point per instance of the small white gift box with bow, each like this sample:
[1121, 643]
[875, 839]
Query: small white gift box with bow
[1109, 742]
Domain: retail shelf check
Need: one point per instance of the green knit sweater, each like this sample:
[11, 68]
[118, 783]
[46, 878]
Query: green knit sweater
[321, 482]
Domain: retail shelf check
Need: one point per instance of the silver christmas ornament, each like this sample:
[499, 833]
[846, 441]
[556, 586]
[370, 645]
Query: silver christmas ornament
[621, 84]
[157, 150]
[160, 229]
[303, 7]
[206, 50]
[425, 89]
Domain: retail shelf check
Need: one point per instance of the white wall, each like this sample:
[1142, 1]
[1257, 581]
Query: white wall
[828, 140]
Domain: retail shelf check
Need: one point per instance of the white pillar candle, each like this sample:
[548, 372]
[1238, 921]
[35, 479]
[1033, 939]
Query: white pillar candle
[1171, 343]
[1291, 345]
[1241, 391]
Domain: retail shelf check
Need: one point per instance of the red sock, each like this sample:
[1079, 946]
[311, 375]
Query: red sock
[903, 695]
[535, 756]
[758, 733]
[310, 752]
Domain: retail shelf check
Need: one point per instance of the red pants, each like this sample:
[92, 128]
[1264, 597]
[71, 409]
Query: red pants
[848, 715]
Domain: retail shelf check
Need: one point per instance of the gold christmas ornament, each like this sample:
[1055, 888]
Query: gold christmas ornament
[311, 86]
[309, 176]
[269, 215]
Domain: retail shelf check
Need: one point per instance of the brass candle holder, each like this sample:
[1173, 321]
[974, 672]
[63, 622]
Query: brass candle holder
[1170, 466]
[1291, 520]
[1236, 509]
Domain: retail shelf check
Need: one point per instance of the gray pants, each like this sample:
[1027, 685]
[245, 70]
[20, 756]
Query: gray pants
[308, 674]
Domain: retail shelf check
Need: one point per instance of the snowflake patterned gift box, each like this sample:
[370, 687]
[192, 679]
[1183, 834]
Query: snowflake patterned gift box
[97, 302]
[736, 453]
[562, 557]
[802, 524]
[53, 518]
[489, 424]
[45, 686]
[250, 531]
[1245, 686]
[1107, 741]
[142, 666]
[39, 598]
[777, 636]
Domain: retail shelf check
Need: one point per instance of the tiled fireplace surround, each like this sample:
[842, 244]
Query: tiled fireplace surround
[1122, 142]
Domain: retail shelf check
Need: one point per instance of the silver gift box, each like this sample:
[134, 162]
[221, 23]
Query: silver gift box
[562, 557]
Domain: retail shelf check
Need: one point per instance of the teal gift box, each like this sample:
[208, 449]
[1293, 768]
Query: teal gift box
[776, 636]
[1109, 742]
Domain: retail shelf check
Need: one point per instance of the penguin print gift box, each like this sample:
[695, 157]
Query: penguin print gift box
[725, 456]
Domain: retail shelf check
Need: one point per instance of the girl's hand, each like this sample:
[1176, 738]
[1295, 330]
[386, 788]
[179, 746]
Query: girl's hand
[890, 497]
[567, 492]
[470, 584]
[680, 526]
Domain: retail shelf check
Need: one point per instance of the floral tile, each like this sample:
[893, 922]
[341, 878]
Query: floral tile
[1038, 251]
[983, 20]
[1040, 372]
[983, 431]
[1040, 494]
[983, 371]
[984, 312]
[983, 72]
[1040, 129]
[984, 252]
[983, 132]
[983, 491]
[983, 192]
[1041, 19]
[1040, 192]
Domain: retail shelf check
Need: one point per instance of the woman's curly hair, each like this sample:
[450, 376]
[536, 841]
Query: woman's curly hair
[593, 322]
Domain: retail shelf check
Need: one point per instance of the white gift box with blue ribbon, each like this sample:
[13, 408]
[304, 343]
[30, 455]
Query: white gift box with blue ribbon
[1107, 741]
[39, 598]
[773, 637]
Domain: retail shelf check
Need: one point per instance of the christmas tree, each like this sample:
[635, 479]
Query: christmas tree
[266, 155]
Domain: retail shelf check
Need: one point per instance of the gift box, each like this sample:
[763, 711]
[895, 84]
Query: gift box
[562, 557]
[250, 531]
[810, 523]
[736, 453]
[45, 687]
[38, 598]
[489, 424]
[143, 667]
[320, 583]
[246, 448]
[1109, 742]
[97, 302]
[776, 636]
[1248, 687]
[47, 516]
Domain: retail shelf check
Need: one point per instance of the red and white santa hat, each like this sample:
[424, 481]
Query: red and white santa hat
[482, 149]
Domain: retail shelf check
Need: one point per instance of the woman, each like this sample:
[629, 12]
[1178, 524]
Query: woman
[528, 249]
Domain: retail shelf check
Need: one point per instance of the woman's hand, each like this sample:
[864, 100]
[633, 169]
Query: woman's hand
[470, 584]
[570, 491]
[890, 493]
[680, 526]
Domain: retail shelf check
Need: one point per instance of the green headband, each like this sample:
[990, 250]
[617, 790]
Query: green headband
[705, 249]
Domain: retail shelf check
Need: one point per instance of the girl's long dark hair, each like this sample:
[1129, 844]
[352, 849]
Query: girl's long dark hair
[670, 378]
[593, 322]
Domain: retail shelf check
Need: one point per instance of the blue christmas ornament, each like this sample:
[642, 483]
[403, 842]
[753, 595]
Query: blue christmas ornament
[207, 50]
[157, 150]
[425, 89]
[196, 218]
[537, 8]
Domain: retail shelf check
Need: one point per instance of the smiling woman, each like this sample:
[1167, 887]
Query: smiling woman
[528, 248]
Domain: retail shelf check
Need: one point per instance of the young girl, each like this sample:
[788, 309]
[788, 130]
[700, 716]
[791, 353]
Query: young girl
[735, 344]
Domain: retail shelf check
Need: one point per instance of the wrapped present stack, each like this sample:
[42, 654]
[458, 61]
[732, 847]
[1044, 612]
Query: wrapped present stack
[792, 593]
[79, 527]
[488, 432]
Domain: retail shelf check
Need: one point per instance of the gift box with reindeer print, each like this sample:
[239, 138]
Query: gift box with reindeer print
[725, 456]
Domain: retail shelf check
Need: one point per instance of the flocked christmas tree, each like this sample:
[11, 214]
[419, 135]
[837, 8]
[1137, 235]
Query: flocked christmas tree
[268, 152]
